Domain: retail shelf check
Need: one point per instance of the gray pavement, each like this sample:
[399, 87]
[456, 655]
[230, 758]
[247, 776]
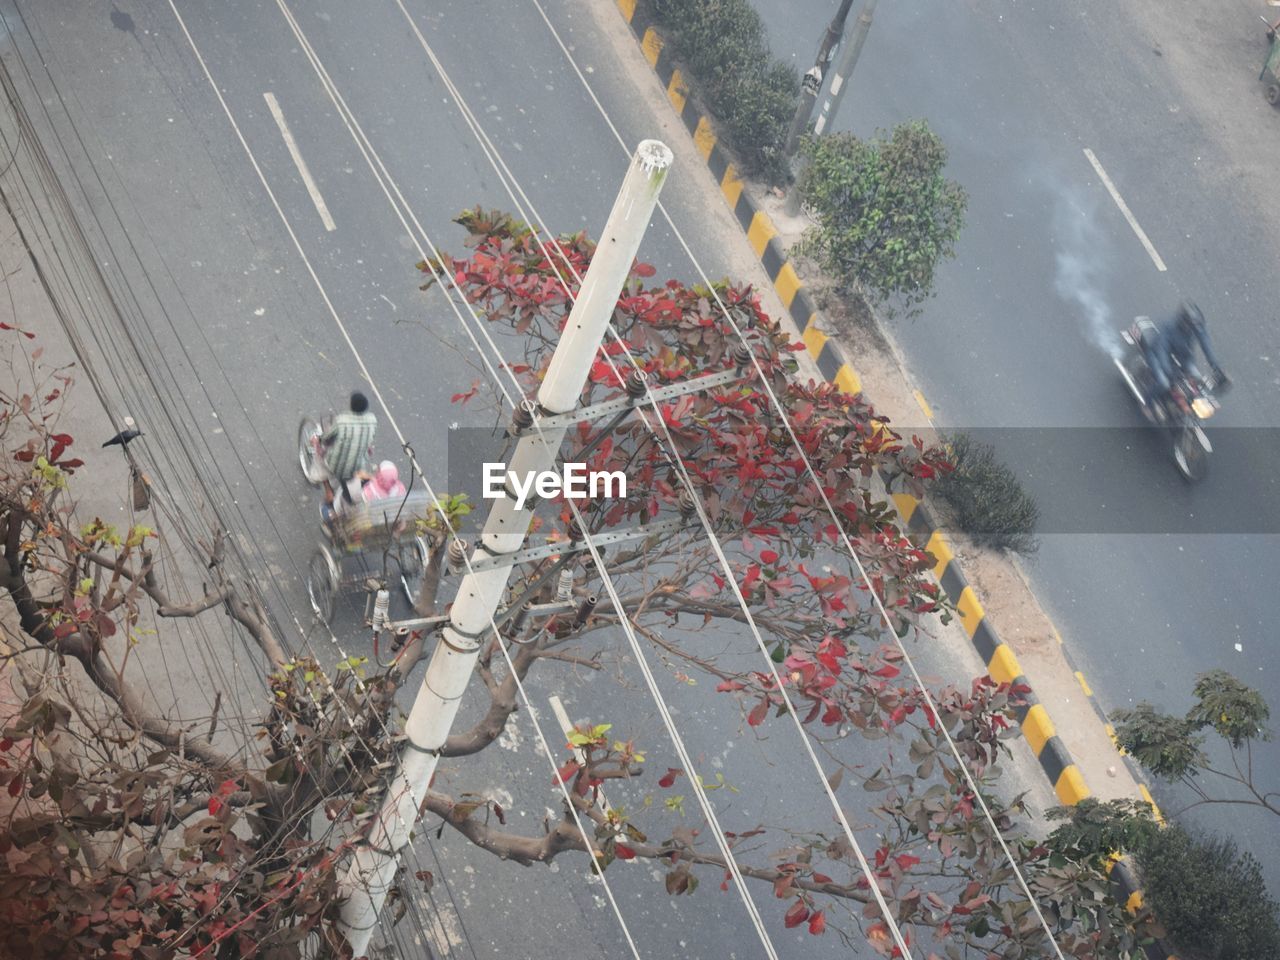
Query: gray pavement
[1166, 98]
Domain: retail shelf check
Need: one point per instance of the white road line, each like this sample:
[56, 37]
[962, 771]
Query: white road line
[274, 106]
[1124, 208]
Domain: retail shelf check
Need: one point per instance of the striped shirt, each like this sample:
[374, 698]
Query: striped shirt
[348, 443]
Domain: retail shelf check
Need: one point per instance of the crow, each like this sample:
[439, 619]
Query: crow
[122, 438]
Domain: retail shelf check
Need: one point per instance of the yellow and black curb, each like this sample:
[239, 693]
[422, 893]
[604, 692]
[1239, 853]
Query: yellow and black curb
[761, 233]
[1002, 665]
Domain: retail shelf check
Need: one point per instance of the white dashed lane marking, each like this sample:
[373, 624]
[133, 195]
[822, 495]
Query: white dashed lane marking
[1124, 209]
[321, 208]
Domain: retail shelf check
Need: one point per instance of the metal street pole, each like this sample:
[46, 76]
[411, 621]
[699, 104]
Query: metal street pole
[841, 78]
[811, 84]
[373, 867]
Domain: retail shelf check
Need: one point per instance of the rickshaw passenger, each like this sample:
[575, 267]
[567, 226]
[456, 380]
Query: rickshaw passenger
[385, 483]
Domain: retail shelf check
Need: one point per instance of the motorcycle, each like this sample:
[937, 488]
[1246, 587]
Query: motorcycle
[1190, 403]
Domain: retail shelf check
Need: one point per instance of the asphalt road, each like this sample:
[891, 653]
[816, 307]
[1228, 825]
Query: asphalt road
[253, 311]
[1150, 582]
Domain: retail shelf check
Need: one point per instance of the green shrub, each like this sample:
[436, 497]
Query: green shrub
[1210, 897]
[886, 214]
[752, 96]
[1095, 829]
[985, 499]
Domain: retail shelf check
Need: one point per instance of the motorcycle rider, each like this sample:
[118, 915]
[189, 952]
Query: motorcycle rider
[1173, 346]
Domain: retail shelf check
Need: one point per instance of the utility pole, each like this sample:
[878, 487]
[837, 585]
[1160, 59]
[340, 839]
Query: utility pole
[483, 589]
[839, 81]
[845, 70]
[811, 83]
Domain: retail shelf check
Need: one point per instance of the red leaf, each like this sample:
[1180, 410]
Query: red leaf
[818, 923]
[227, 788]
[464, 397]
[797, 915]
[888, 671]
[58, 450]
[670, 777]
[758, 713]
[25, 456]
[63, 438]
[906, 861]
[566, 773]
[15, 786]
[768, 556]
[71, 464]
[5, 744]
[214, 806]
[643, 269]
[624, 853]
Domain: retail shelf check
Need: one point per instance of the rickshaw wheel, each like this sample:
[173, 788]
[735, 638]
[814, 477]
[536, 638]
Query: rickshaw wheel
[308, 429]
[323, 580]
[1273, 93]
[411, 577]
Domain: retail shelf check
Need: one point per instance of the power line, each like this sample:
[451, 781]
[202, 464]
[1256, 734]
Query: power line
[672, 455]
[381, 400]
[879, 603]
[53, 188]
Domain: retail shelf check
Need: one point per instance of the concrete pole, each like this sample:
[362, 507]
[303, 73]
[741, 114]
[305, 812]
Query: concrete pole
[811, 83]
[373, 867]
[841, 79]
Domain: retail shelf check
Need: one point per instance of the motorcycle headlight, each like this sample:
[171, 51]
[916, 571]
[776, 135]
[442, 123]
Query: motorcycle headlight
[1202, 408]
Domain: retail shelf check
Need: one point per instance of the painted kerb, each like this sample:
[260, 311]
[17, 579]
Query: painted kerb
[1002, 665]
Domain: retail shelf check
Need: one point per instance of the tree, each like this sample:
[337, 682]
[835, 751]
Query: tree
[1210, 897]
[1173, 747]
[886, 215]
[176, 846]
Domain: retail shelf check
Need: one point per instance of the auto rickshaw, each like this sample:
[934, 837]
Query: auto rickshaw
[1271, 66]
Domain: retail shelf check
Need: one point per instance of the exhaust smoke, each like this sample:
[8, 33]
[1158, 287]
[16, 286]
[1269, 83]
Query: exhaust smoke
[1083, 259]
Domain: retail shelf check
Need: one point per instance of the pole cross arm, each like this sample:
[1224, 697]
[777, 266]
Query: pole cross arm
[534, 609]
[642, 532]
[598, 411]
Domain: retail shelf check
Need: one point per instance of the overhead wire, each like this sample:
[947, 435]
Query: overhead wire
[345, 335]
[367, 149]
[53, 188]
[877, 600]
[672, 455]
